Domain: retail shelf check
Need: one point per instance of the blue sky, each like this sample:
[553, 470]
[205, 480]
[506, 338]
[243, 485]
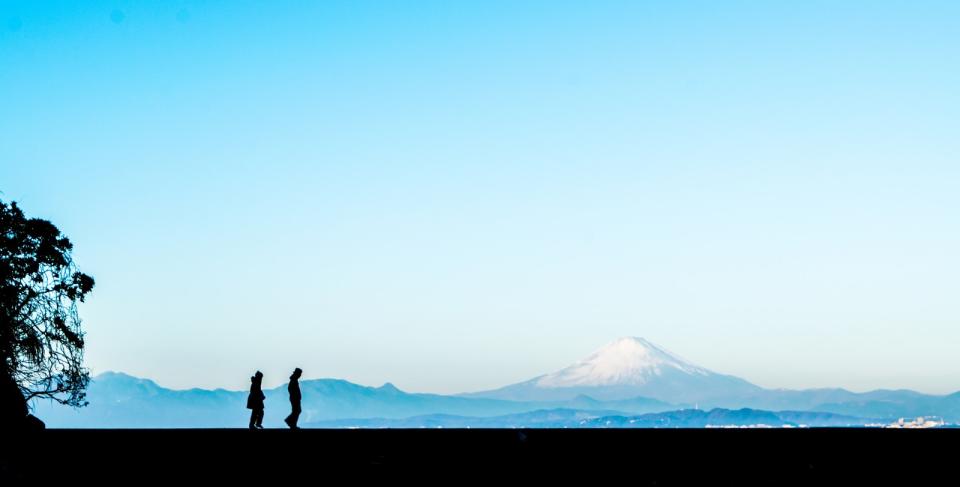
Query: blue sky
[453, 196]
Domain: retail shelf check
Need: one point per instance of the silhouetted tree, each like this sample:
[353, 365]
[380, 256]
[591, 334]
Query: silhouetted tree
[41, 343]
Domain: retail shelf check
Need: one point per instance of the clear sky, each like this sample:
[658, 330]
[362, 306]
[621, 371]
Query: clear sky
[453, 196]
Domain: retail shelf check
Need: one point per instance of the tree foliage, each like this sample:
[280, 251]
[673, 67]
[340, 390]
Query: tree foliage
[41, 343]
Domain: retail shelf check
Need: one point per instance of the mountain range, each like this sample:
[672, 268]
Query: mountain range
[626, 383]
[572, 418]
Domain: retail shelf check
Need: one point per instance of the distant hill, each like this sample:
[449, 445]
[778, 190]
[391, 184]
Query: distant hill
[627, 378]
[121, 401]
[569, 418]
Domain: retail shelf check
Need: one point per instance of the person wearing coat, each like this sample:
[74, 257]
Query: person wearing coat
[294, 389]
[255, 401]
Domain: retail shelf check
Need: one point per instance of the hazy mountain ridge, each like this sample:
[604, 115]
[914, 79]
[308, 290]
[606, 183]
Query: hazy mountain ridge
[628, 378]
[570, 418]
[121, 401]
[633, 366]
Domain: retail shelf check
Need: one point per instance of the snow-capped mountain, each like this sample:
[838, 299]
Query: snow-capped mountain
[626, 361]
[630, 367]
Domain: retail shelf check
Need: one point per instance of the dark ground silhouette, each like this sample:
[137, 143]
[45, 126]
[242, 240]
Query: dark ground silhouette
[13, 407]
[453, 456]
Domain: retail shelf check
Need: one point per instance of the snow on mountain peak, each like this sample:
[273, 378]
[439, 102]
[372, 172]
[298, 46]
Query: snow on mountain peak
[625, 361]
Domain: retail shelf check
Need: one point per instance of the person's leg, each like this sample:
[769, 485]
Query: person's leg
[295, 416]
[253, 418]
[259, 422]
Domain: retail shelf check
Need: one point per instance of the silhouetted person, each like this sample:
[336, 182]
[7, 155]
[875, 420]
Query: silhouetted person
[255, 401]
[294, 389]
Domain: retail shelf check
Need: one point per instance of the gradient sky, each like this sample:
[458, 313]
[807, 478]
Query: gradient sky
[453, 196]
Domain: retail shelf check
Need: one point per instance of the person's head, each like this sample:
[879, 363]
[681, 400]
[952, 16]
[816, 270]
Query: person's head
[296, 373]
[258, 375]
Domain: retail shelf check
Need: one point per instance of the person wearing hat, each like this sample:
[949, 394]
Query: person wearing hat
[255, 401]
[294, 389]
